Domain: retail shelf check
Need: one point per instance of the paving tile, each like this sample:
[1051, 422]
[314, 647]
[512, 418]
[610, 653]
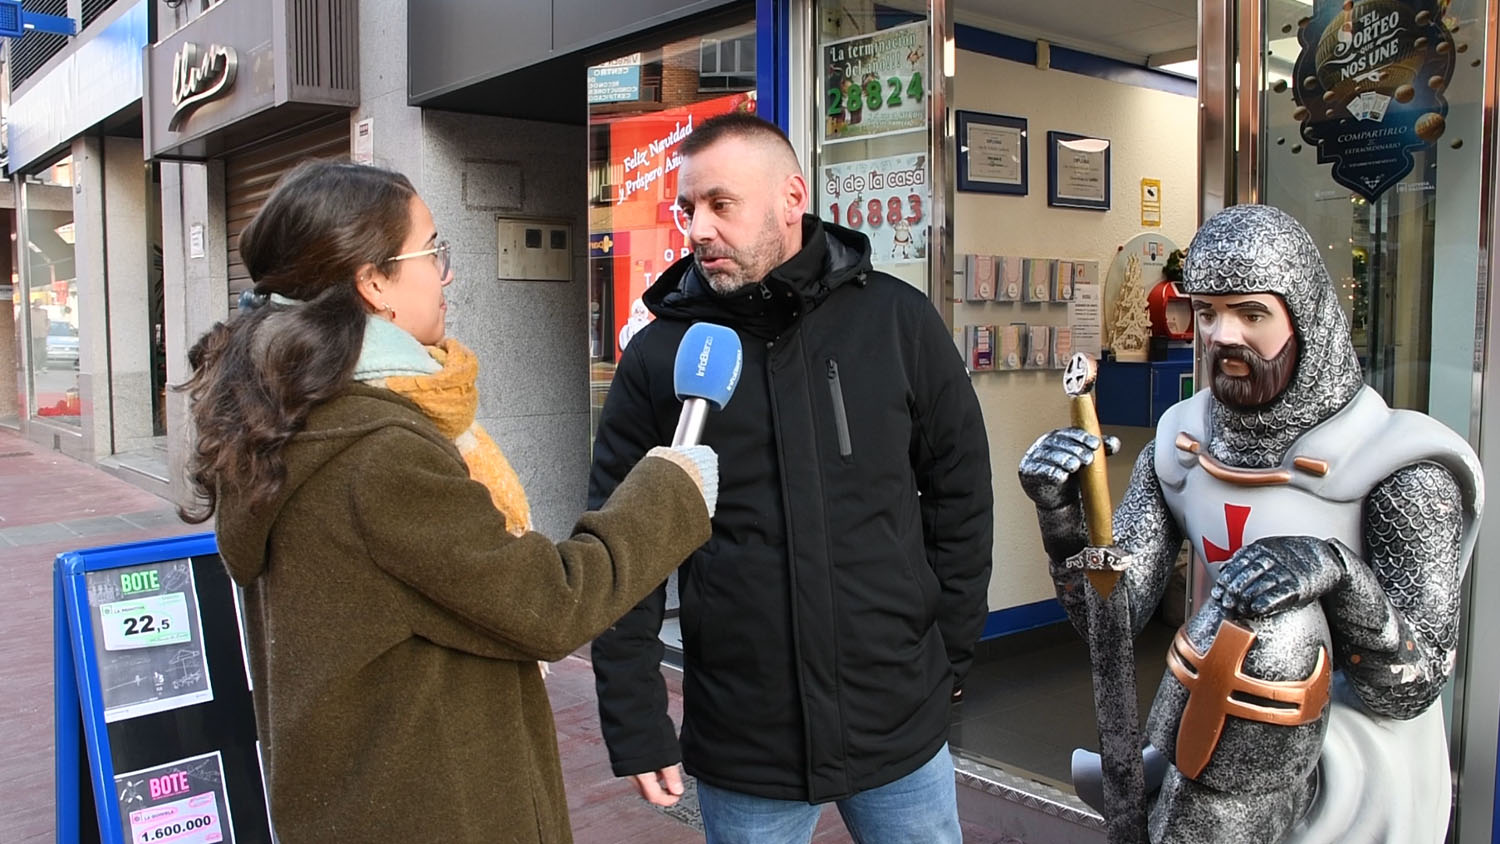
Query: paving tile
[97, 525]
[157, 518]
[32, 534]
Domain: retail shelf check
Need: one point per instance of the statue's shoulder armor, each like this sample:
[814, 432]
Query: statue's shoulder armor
[1363, 444]
[1191, 417]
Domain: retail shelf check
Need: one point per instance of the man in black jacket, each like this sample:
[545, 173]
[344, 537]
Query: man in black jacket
[834, 611]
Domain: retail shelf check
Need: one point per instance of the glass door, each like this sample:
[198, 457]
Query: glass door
[1372, 136]
[1372, 133]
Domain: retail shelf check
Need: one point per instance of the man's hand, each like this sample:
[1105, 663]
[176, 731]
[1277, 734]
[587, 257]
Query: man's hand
[1049, 469]
[660, 788]
[1278, 573]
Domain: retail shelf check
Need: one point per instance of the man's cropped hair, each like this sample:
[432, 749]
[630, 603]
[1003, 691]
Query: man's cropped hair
[734, 124]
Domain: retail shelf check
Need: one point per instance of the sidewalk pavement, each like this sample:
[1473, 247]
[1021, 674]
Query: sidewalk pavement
[50, 503]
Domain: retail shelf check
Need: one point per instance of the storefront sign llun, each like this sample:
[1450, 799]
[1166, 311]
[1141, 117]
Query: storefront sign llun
[199, 75]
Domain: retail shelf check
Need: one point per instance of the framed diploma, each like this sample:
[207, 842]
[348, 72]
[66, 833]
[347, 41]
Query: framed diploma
[1077, 171]
[991, 153]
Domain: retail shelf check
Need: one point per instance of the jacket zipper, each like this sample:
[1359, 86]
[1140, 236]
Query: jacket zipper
[840, 417]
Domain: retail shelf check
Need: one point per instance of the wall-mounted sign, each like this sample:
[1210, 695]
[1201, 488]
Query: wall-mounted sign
[1369, 84]
[886, 199]
[616, 81]
[199, 75]
[875, 84]
[364, 141]
[1150, 202]
[1078, 174]
[992, 155]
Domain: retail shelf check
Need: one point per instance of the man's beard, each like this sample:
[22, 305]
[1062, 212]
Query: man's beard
[1267, 378]
[750, 265]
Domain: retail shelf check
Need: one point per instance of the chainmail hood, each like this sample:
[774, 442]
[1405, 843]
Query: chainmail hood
[1260, 249]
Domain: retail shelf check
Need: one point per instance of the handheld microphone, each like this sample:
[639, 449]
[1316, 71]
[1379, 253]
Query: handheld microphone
[707, 370]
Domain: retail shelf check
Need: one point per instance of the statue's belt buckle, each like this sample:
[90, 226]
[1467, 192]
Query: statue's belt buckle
[1099, 559]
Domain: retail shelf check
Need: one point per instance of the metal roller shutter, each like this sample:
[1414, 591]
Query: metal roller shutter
[250, 175]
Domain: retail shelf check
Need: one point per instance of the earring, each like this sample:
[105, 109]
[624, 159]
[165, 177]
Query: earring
[388, 311]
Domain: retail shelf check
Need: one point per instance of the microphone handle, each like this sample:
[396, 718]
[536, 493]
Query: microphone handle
[690, 422]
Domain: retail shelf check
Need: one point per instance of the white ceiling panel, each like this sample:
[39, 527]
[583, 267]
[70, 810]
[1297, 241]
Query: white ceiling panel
[1129, 30]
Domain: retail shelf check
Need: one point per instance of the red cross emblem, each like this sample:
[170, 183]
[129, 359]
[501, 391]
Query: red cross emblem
[1235, 516]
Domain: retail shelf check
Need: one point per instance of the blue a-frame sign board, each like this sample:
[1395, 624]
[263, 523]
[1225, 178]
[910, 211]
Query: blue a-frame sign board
[156, 740]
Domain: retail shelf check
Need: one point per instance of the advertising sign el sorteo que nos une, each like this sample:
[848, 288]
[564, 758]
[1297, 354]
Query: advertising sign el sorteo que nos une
[1369, 82]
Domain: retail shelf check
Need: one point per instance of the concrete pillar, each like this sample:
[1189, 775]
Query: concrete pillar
[10, 330]
[93, 302]
[397, 127]
[128, 265]
[196, 289]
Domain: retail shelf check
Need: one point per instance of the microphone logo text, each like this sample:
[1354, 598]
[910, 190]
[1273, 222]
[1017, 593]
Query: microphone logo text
[708, 343]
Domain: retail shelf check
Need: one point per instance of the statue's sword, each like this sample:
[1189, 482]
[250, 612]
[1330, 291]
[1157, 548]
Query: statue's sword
[1111, 650]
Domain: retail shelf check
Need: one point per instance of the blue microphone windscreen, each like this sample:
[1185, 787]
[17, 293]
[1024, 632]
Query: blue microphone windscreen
[708, 364]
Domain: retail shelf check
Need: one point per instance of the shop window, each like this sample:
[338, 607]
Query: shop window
[870, 171]
[1397, 222]
[639, 102]
[51, 293]
[1398, 226]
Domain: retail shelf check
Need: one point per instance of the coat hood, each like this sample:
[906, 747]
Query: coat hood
[831, 256]
[243, 533]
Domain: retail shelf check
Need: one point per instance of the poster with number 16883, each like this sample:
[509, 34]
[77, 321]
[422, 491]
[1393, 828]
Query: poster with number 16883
[884, 199]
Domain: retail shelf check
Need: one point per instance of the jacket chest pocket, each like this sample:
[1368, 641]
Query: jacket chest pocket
[840, 413]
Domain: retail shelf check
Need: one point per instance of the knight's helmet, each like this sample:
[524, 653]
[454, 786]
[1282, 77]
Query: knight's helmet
[1241, 714]
[1247, 249]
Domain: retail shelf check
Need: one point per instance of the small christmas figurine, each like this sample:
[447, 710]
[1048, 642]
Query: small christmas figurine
[1130, 331]
[1172, 270]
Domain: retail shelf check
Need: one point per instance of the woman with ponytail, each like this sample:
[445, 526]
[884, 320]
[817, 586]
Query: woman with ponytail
[397, 601]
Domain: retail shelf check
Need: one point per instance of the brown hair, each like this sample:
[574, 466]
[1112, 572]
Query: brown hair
[257, 375]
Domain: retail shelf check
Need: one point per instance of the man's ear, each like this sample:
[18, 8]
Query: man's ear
[797, 198]
[371, 286]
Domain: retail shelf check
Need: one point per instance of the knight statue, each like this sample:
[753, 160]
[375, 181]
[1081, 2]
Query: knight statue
[1329, 536]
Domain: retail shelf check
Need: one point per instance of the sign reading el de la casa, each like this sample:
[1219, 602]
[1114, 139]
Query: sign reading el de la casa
[199, 75]
[1369, 85]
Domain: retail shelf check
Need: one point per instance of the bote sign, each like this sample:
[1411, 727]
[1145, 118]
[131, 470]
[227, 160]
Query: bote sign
[199, 75]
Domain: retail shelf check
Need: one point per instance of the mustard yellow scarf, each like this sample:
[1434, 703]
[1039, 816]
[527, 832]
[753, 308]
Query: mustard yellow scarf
[450, 398]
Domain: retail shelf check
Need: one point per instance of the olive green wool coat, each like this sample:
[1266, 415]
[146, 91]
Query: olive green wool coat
[395, 626]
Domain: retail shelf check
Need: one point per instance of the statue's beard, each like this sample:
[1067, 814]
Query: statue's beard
[1267, 378]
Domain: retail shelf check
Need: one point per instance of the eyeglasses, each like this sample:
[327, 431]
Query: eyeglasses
[440, 252]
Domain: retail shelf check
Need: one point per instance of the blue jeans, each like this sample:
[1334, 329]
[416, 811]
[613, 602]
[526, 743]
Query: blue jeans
[919, 807]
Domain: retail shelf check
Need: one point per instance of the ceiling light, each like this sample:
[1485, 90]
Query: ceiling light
[1188, 69]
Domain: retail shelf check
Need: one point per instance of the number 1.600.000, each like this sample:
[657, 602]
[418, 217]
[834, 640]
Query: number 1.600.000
[175, 829]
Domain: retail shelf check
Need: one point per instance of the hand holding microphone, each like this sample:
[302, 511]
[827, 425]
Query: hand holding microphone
[707, 370]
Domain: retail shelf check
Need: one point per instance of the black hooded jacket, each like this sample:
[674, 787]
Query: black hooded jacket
[844, 587]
